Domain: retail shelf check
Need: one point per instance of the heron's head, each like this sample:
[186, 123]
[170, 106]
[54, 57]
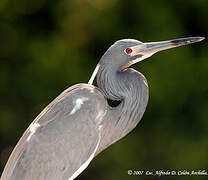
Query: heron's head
[126, 52]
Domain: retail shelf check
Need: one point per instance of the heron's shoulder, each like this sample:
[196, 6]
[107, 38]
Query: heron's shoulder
[83, 91]
[75, 100]
[84, 88]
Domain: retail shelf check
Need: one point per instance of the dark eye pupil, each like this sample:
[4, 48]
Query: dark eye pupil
[128, 50]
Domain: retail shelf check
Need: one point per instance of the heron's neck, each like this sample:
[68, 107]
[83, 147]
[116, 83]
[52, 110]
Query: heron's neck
[122, 86]
[131, 88]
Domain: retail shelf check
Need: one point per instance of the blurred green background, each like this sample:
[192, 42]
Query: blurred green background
[47, 46]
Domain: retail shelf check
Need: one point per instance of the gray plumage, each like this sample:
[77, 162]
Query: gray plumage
[79, 124]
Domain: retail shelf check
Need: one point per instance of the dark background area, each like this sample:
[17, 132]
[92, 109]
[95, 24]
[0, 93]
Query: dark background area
[47, 46]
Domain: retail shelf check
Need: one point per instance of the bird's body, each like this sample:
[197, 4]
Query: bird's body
[78, 131]
[79, 123]
[58, 137]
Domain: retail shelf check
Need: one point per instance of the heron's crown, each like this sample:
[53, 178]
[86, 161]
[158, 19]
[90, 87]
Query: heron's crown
[126, 42]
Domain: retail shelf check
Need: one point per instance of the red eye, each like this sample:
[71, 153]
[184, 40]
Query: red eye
[128, 50]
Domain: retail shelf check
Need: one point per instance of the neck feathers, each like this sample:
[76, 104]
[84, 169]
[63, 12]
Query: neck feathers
[131, 88]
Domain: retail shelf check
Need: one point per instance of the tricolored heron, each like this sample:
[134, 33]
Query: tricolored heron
[76, 126]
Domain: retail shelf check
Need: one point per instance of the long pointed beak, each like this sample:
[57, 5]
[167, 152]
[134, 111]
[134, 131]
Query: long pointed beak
[146, 50]
[163, 45]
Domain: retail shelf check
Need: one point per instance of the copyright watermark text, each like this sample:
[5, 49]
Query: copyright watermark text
[160, 172]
